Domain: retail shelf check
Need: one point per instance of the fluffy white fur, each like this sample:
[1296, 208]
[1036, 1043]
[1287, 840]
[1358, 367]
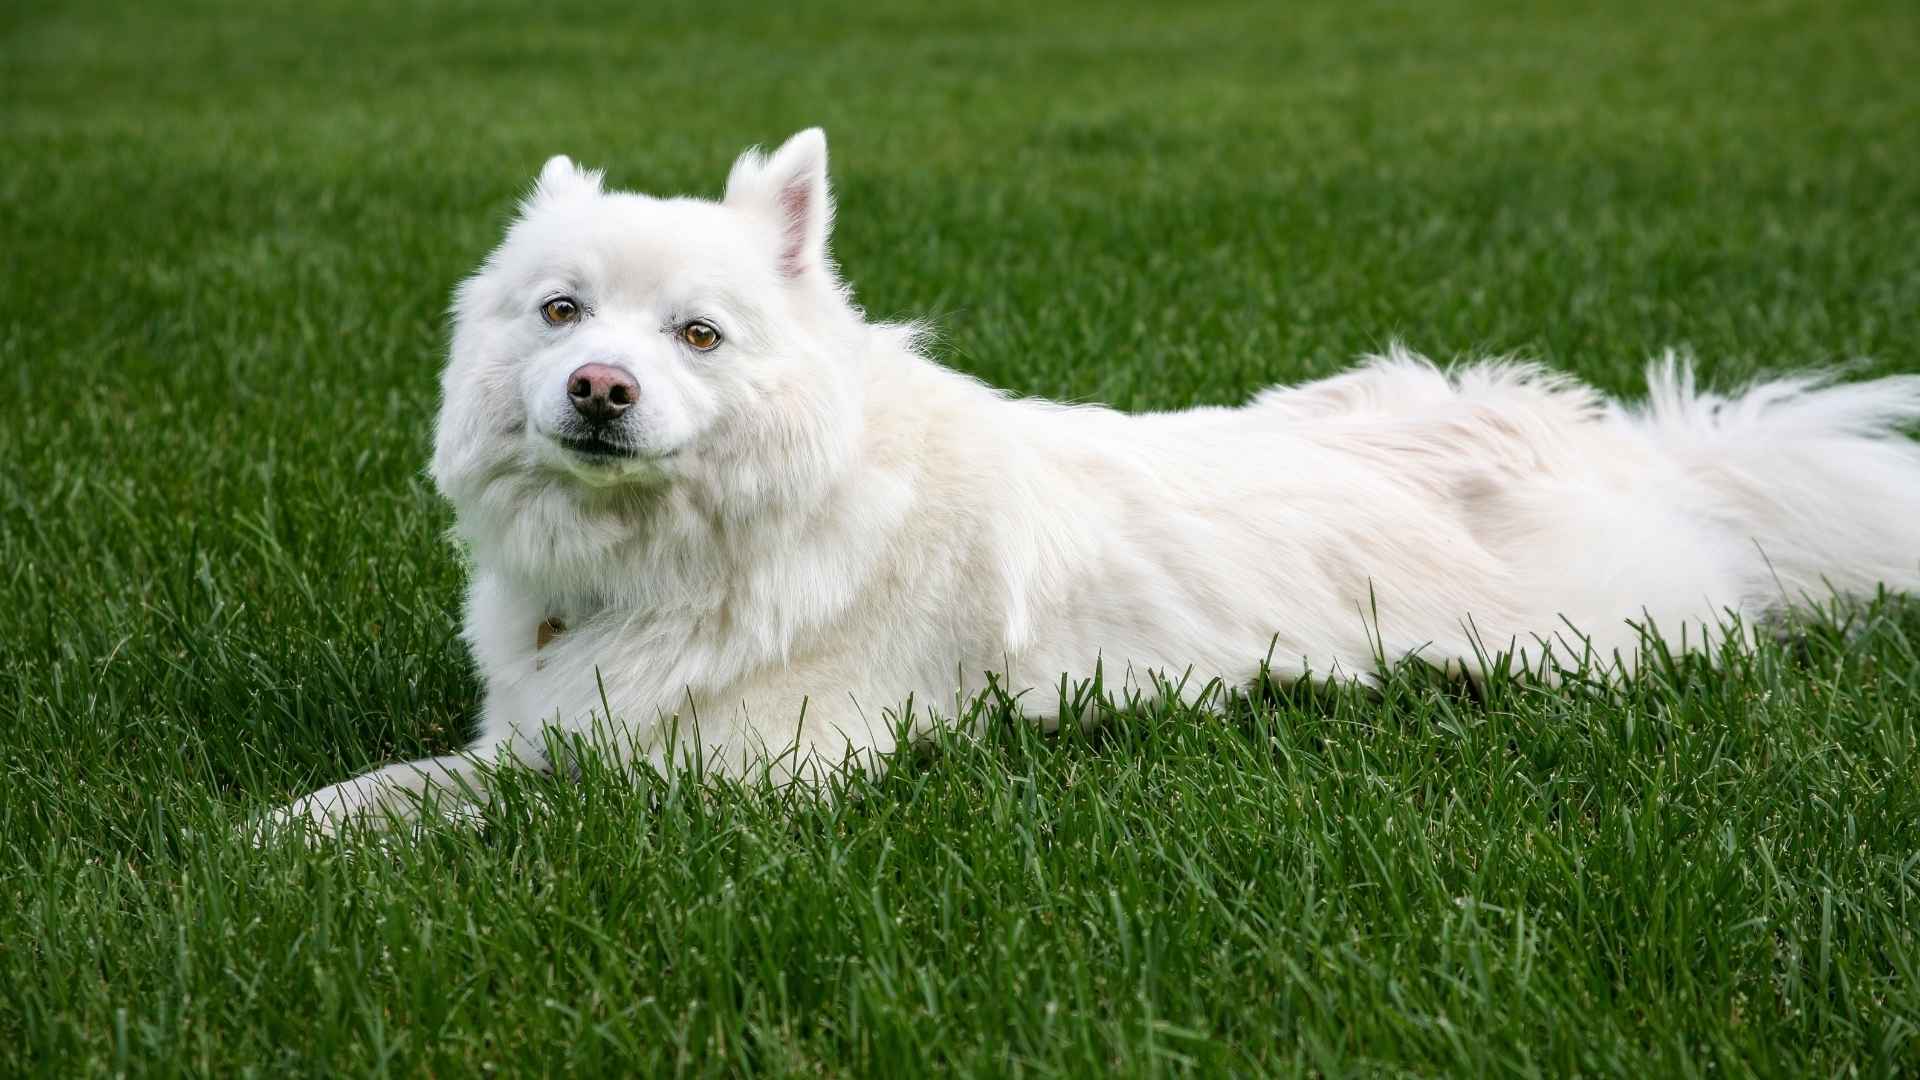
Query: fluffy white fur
[816, 523]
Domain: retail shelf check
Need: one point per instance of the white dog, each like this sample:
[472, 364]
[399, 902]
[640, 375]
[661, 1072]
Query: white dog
[712, 509]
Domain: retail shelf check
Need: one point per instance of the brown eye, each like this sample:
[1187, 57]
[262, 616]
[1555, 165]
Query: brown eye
[701, 335]
[560, 311]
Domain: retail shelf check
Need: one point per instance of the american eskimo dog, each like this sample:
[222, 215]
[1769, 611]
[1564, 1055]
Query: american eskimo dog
[713, 509]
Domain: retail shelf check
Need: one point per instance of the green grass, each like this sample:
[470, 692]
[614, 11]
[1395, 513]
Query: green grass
[228, 239]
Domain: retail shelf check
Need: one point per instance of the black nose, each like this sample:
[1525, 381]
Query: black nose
[601, 392]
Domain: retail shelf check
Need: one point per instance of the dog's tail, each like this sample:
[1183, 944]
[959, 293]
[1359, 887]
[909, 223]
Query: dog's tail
[1820, 476]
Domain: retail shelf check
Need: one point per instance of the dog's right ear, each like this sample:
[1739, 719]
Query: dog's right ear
[561, 179]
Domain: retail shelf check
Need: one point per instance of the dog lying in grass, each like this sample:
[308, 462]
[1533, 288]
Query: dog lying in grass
[717, 515]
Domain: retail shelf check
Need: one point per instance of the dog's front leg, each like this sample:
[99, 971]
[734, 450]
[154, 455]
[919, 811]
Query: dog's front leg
[396, 794]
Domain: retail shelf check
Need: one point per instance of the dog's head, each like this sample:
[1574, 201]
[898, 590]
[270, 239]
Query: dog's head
[616, 344]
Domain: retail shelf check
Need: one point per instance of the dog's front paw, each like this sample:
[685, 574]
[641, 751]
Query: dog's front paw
[371, 803]
[319, 816]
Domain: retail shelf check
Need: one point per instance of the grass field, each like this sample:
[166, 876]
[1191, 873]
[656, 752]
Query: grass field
[229, 236]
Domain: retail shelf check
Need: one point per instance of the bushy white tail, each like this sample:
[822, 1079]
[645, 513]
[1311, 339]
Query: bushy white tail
[1821, 476]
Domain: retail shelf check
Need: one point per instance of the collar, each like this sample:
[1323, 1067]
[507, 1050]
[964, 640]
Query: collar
[550, 627]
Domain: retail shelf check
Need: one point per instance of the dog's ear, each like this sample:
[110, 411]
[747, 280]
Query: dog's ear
[559, 179]
[789, 188]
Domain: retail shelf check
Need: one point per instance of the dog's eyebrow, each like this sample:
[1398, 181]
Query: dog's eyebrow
[725, 295]
[548, 280]
[716, 300]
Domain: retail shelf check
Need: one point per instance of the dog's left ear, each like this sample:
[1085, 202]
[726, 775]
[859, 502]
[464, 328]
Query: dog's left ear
[789, 188]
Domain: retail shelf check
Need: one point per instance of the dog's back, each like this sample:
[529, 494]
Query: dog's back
[1676, 514]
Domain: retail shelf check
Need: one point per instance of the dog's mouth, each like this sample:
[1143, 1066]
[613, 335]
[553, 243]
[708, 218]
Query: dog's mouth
[600, 458]
[596, 447]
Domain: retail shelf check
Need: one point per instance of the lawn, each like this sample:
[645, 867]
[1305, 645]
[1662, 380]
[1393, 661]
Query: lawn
[229, 236]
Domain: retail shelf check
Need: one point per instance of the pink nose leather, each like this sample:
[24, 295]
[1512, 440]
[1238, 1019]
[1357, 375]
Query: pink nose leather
[601, 392]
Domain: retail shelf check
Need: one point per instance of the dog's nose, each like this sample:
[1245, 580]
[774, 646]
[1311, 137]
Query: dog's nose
[601, 392]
